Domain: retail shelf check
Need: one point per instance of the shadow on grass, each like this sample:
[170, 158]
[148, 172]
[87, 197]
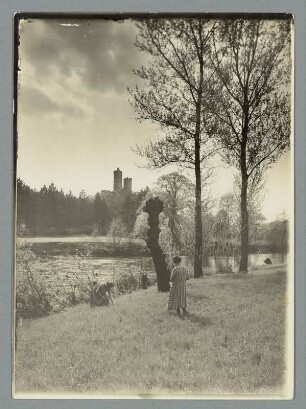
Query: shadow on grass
[200, 297]
[237, 276]
[202, 321]
[280, 272]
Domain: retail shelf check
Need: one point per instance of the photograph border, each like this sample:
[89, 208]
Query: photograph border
[297, 8]
[289, 341]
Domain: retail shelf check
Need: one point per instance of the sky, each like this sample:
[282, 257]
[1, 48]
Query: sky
[75, 124]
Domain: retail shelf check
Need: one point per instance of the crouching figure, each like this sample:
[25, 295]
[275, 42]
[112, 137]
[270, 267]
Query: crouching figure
[101, 294]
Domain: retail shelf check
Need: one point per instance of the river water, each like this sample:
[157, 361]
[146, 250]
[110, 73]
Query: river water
[255, 260]
[146, 263]
[107, 265]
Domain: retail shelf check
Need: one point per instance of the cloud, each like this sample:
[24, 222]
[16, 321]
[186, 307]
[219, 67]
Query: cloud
[34, 101]
[100, 52]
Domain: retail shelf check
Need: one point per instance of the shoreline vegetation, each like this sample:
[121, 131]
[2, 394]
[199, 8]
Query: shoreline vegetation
[228, 343]
[95, 248]
[104, 246]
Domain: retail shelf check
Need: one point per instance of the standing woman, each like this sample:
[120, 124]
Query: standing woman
[177, 296]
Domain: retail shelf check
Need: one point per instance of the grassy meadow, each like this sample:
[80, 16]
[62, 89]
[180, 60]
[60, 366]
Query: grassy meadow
[232, 342]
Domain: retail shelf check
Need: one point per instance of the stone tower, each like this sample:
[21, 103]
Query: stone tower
[117, 180]
[127, 186]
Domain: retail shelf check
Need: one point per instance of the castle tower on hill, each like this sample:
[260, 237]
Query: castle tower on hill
[117, 180]
[127, 187]
[127, 184]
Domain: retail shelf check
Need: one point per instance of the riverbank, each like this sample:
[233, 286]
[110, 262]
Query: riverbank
[103, 247]
[233, 341]
[95, 249]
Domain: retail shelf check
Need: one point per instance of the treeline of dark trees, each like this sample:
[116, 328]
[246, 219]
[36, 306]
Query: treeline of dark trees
[50, 211]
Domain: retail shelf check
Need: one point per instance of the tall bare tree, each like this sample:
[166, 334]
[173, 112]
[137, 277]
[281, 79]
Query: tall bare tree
[176, 85]
[251, 115]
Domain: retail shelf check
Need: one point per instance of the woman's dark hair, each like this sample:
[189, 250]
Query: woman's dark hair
[177, 260]
[109, 284]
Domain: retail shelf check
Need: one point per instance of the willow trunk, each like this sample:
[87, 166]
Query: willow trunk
[154, 207]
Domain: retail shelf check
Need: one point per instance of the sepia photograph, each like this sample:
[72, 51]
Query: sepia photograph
[154, 206]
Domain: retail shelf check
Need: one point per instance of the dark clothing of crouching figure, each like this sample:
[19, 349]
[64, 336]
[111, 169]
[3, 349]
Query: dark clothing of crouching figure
[101, 294]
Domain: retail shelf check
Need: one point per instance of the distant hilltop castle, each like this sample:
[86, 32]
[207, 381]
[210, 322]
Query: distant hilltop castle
[127, 182]
[118, 188]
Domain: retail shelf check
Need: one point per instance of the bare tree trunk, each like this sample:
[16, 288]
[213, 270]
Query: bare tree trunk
[154, 207]
[198, 271]
[244, 227]
[244, 245]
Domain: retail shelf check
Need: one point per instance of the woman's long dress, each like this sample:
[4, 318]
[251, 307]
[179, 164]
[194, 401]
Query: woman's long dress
[177, 296]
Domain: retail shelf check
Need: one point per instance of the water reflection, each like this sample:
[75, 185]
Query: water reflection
[254, 260]
[146, 263]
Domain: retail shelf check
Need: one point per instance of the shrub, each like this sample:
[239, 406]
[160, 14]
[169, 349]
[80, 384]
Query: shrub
[79, 281]
[128, 281]
[23, 230]
[95, 230]
[224, 269]
[166, 243]
[32, 296]
[141, 226]
[129, 248]
[226, 264]
[117, 231]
